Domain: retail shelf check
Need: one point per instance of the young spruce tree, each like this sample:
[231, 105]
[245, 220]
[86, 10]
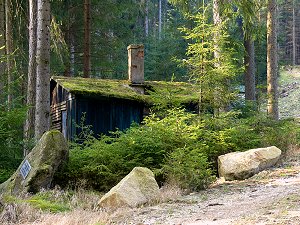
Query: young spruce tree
[215, 75]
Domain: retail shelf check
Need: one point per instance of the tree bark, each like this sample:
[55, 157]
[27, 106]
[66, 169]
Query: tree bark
[42, 113]
[294, 34]
[250, 70]
[9, 49]
[69, 71]
[272, 63]
[87, 39]
[147, 18]
[2, 44]
[159, 19]
[31, 83]
[217, 22]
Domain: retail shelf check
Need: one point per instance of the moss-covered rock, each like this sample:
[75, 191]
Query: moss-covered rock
[137, 188]
[44, 159]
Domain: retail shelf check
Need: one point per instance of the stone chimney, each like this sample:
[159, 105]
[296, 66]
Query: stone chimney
[136, 64]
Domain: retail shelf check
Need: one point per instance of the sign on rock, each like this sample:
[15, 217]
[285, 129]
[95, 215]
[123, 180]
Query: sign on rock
[25, 169]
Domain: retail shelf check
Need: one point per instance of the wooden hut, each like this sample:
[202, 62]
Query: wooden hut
[108, 105]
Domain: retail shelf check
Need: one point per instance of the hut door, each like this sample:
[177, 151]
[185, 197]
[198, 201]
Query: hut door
[64, 123]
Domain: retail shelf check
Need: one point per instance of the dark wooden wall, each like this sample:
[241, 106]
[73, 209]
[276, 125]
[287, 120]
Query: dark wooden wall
[108, 114]
[103, 114]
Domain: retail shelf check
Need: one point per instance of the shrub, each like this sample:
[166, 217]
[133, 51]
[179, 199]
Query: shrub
[188, 168]
[180, 147]
[11, 139]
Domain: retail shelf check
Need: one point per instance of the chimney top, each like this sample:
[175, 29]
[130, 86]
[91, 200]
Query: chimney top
[136, 64]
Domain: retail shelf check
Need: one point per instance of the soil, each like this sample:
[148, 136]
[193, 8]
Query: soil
[270, 197]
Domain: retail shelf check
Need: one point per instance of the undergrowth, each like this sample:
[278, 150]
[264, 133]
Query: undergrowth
[181, 147]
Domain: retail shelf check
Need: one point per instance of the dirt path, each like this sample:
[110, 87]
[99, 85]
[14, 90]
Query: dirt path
[270, 197]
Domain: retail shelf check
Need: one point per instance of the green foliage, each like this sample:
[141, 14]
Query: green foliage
[5, 173]
[213, 59]
[11, 139]
[188, 168]
[45, 205]
[105, 161]
[50, 201]
[180, 147]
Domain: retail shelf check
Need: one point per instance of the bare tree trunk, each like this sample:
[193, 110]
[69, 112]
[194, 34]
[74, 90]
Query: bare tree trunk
[272, 64]
[2, 44]
[72, 55]
[9, 49]
[217, 22]
[87, 38]
[69, 71]
[250, 69]
[31, 85]
[147, 18]
[42, 113]
[294, 35]
[159, 19]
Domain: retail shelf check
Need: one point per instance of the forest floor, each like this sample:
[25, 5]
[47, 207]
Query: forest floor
[289, 92]
[270, 197]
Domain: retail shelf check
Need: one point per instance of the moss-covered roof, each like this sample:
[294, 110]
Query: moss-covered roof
[122, 89]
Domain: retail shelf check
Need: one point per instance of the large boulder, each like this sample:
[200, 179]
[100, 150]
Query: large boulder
[137, 188]
[37, 169]
[242, 165]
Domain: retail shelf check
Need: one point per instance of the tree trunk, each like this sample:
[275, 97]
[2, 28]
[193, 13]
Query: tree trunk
[159, 19]
[9, 49]
[147, 18]
[2, 44]
[31, 85]
[42, 113]
[69, 71]
[217, 22]
[294, 34]
[250, 70]
[272, 64]
[87, 38]
[216, 36]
